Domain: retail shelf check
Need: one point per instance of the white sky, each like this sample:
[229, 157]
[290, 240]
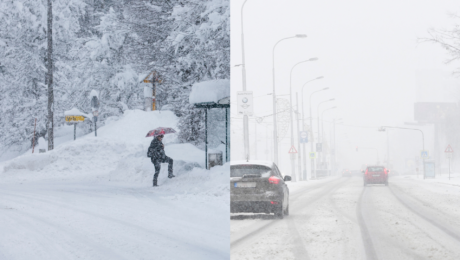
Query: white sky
[368, 54]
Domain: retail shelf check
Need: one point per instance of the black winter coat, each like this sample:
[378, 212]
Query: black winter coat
[156, 150]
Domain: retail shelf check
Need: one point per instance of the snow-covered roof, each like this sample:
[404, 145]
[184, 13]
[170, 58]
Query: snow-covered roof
[252, 162]
[210, 91]
[75, 112]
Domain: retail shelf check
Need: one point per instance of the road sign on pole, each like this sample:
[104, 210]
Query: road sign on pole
[449, 149]
[74, 119]
[312, 155]
[424, 154]
[292, 150]
[303, 137]
[244, 103]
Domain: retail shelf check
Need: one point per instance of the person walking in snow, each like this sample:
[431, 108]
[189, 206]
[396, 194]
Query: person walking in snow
[157, 155]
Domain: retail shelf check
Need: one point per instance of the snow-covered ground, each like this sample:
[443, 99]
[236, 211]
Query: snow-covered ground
[338, 218]
[92, 198]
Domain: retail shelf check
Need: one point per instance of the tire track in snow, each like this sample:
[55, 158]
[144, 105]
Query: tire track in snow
[392, 242]
[343, 215]
[438, 224]
[300, 248]
[40, 227]
[268, 223]
[106, 219]
[369, 249]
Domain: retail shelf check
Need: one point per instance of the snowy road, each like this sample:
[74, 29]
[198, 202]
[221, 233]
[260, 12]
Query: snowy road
[103, 220]
[340, 219]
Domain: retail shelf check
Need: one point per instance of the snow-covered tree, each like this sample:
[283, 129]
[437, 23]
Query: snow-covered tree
[108, 46]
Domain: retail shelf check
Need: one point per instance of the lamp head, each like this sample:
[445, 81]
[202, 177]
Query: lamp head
[325, 88]
[301, 35]
[320, 77]
[313, 59]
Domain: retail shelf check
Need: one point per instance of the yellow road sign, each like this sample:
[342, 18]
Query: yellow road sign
[74, 118]
[312, 155]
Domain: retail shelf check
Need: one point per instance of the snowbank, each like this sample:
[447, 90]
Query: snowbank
[118, 153]
[210, 91]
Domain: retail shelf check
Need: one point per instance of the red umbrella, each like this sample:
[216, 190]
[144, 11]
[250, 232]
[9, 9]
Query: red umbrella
[160, 131]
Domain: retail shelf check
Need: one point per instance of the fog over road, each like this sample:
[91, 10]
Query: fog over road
[339, 218]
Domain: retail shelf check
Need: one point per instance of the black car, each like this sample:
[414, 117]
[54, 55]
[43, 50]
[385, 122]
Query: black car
[258, 187]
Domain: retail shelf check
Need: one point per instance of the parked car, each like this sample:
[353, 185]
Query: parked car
[375, 174]
[258, 187]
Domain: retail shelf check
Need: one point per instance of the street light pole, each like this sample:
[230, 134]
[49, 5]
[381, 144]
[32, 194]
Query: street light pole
[313, 170]
[319, 133]
[304, 129]
[322, 122]
[298, 136]
[333, 155]
[291, 115]
[275, 133]
[245, 117]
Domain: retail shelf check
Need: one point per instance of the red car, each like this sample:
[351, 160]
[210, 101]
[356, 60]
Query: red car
[375, 174]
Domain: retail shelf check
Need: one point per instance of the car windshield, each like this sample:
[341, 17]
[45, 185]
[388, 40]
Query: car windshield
[240, 170]
[375, 169]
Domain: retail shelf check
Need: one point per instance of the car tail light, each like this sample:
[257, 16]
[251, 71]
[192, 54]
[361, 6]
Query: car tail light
[274, 180]
[274, 202]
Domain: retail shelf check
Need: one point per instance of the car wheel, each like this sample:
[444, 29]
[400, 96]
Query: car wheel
[286, 212]
[279, 213]
[365, 183]
[386, 183]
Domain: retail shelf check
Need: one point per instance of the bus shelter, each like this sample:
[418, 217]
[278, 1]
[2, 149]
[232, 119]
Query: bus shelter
[212, 94]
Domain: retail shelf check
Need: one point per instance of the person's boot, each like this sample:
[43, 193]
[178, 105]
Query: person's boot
[155, 182]
[171, 175]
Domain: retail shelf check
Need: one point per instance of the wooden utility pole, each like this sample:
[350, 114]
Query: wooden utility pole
[155, 79]
[49, 78]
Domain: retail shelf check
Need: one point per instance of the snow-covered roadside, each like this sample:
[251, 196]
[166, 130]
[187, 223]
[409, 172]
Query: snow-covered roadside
[444, 178]
[92, 199]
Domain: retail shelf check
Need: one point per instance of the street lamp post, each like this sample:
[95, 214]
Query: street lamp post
[319, 133]
[291, 114]
[298, 136]
[313, 169]
[322, 122]
[304, 129]
[275, 133]
[333, 154]
[245, 117]
[242, 47]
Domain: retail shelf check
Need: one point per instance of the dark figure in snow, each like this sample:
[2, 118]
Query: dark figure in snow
[157, 155]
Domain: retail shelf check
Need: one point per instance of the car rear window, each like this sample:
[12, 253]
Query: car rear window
[240, 170]
[375, 169]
